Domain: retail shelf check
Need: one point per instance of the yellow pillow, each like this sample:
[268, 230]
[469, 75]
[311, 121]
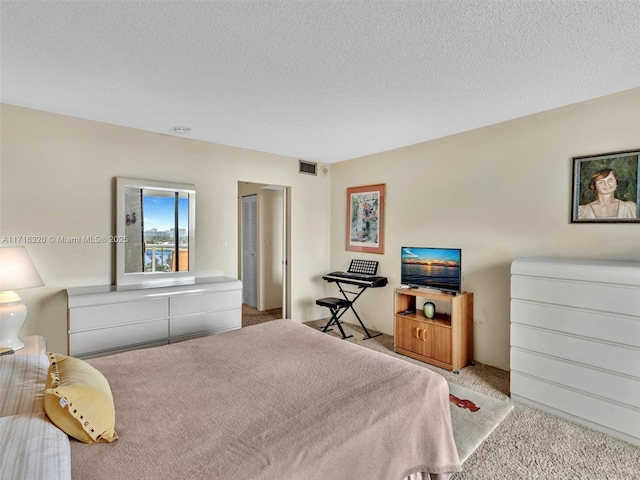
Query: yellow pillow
[78, 400]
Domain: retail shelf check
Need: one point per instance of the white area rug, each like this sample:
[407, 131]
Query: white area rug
[471, 428]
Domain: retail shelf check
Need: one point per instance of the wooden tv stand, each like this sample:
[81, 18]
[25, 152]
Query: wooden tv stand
[446, 340]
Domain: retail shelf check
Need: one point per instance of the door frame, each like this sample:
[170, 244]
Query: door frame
[285, 235]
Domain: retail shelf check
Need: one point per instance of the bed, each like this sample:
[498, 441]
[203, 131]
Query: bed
[274, 401]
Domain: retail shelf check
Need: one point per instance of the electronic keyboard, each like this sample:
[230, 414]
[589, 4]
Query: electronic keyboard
[362, 279]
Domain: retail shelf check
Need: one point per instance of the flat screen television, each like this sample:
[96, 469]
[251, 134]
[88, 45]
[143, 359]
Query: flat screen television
[433, 268]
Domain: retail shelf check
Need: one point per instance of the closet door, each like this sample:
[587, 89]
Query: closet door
[250, 250]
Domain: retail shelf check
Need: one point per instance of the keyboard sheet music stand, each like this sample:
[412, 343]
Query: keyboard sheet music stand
[361, 273]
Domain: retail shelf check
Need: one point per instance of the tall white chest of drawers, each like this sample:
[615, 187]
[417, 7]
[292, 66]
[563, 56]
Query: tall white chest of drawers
[575, 341]
[107, 319]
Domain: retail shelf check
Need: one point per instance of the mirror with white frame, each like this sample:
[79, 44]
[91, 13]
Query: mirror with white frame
[157, 223]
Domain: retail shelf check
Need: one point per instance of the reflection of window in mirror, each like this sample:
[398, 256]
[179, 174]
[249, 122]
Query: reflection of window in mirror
[157, 225]
[158, 220]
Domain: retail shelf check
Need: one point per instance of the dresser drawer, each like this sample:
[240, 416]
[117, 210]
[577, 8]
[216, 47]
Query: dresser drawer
[575, 376]
[598, 325]
[578, 405]
[86, 342]
[100, 316]
[577, 349]
[594, 296]
[208, 302]
[212, 322]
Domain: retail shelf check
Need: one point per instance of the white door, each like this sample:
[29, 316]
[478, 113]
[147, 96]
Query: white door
[250, 250]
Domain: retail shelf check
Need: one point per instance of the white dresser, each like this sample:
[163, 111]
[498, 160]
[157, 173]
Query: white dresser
[575, 341]
[109, 319]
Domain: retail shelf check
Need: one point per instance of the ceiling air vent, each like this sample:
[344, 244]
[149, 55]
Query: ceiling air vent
[308, 167]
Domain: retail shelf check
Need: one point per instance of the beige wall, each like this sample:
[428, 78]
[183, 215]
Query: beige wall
[57, 176]
[499, 193]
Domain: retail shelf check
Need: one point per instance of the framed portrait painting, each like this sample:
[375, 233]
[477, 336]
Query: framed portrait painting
[365, 218]
[606, 188]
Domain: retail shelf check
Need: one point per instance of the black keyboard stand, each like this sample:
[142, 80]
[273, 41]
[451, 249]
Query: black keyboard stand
[339, 306]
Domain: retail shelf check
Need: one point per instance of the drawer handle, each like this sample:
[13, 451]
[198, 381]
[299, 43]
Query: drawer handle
[418, 333]
[424, 335]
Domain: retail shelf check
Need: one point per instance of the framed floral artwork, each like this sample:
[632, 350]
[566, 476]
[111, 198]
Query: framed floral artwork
[606, 188]
[365, 218]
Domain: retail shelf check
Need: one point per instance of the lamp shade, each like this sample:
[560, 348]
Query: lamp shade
[17, 270]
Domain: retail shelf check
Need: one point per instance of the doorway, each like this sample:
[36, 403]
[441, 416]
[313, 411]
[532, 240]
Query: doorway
[263, 251]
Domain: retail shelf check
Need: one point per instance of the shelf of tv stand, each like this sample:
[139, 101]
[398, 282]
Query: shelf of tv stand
[440, 320]
[446, 340]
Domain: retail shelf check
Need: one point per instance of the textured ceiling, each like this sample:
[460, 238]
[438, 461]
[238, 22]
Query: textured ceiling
[317, 80]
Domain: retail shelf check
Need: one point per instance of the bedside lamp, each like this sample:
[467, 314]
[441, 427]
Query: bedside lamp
[16, 272]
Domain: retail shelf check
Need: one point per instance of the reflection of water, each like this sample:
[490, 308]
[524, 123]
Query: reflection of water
[159, 258]
[435, 276]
